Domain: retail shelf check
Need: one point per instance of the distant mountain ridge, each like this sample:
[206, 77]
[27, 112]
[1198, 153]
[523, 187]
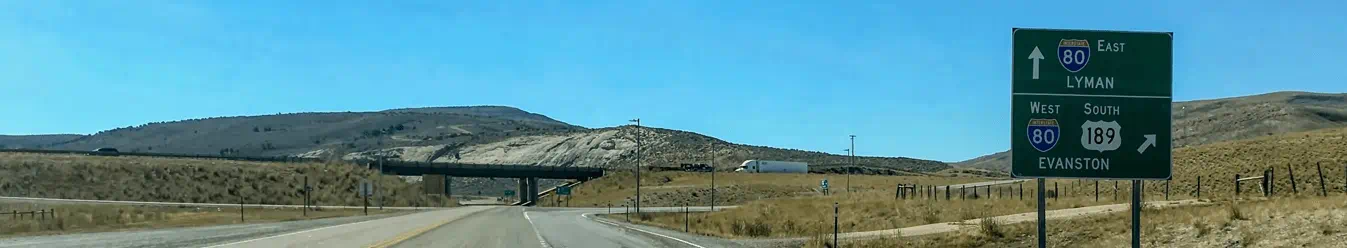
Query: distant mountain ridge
[1233, 118]
[34, 141]
[473, 134]
[290, 134]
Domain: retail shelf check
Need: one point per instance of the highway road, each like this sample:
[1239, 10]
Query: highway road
[556, 228]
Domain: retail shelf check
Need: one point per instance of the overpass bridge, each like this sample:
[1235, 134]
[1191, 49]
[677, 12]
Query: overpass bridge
[435, 174]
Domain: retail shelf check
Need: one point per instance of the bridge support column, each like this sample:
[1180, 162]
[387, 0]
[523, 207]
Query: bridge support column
[533, 190]
[522, 191]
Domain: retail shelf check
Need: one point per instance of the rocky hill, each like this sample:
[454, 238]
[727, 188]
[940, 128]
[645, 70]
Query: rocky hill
[616, 148]
[1217, 120]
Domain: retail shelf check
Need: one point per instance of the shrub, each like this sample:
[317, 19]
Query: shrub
[1236, 213]
[754, 228]
[991, 228]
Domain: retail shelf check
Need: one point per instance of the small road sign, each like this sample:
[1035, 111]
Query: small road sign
[564, 190]
[823, 184]
[366, 189]
[509, 193]
[1098, 107]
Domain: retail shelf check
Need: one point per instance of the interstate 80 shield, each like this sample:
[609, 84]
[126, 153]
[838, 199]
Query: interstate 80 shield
[1043, 134]
[1073, 54]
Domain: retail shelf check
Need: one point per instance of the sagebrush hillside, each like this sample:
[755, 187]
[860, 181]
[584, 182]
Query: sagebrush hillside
[34, 141]
[1209, 121]
[291, 134]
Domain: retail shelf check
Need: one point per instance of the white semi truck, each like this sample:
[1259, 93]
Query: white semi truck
[766, 166]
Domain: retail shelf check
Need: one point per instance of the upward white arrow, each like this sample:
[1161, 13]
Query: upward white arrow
[1036, 56]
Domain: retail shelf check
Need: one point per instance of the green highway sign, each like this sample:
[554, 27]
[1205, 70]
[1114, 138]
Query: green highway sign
[1091, 104]
[563, 190]
[509, 193]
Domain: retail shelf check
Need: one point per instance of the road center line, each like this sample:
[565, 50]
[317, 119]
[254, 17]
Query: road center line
[639, 230]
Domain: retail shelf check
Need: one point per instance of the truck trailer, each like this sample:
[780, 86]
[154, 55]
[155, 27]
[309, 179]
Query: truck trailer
[766, 166]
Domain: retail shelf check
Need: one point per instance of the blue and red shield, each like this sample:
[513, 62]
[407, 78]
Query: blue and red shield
[1043, 134]
[1073, 54]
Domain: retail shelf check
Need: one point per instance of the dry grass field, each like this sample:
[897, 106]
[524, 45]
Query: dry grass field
[806, 215]
[195, 180]
[1282, 222]
[867, 211]
[671, 188]
[80, 218]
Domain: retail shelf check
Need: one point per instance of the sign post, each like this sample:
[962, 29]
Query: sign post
[824, 186]
[1098, 107]
[365, 190]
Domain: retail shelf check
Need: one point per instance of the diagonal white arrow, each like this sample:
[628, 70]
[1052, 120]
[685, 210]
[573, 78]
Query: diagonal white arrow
[1150, 142]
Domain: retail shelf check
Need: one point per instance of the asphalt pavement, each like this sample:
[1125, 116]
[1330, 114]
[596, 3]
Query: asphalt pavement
[373, 233]
[526, 227]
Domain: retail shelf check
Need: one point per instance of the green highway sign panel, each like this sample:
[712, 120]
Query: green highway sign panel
[1091, 104]
[563, 190]
[509, 193]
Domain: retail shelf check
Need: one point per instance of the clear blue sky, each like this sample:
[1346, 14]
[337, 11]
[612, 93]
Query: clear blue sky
[926, 79]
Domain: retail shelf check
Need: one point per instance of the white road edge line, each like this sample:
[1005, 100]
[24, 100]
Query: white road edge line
[541, 241]
[639, 230]
[291, 233]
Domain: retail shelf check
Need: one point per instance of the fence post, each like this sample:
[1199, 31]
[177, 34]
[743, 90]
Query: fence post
[1021, 191]
[1294, 190]
[685, 217]
[962, 192]
[1236, 185]
[947, 192]
[1096, 190]
[1322, 188]
[1115, 190]
[1055, 192]
[1199, 186]
[989, 192]
[835, 224]
[1166, 190]
[935, 193]
[1267, 183]
[1272, 177]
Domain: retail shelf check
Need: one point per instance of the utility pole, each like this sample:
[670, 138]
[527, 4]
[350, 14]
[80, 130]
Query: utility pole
[377, 179]
[853, 162]
[638, 164]
[713, 174]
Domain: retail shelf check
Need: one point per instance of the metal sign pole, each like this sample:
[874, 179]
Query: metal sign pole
[1136, 213]
[1042, 215]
